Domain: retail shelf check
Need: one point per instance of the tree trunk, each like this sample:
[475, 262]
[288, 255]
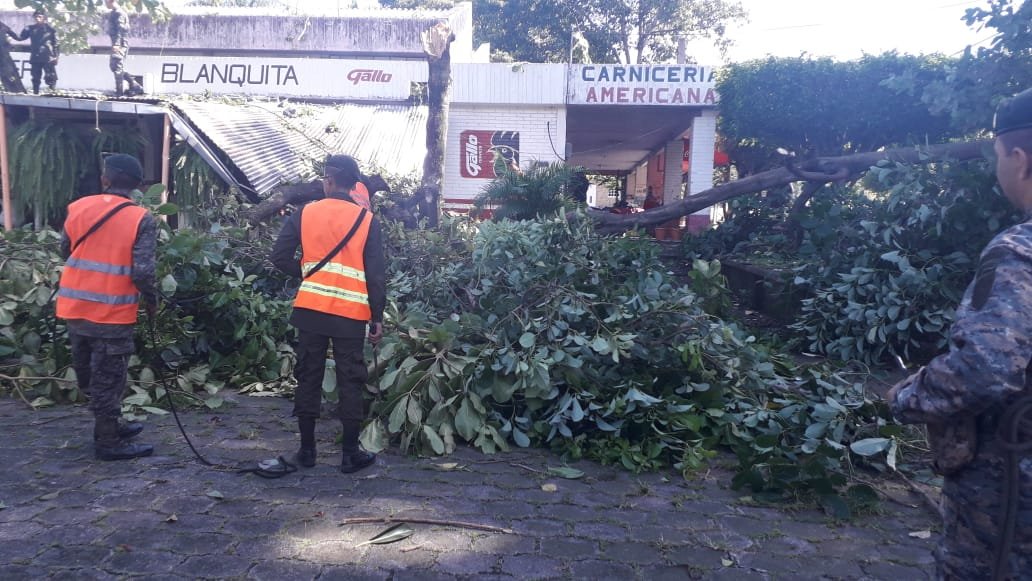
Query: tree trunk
[822, 169]
[9, 74]
[437, 46]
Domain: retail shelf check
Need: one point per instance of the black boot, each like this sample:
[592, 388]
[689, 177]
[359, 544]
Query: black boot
[128, 430]
[353, 458]
[108, 446]
[118, 86]
[306, 455]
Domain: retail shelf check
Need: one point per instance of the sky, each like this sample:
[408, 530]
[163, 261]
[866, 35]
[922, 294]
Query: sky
[846, 29]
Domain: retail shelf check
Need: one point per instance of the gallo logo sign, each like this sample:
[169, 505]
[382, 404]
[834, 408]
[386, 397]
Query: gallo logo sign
[357, 76]
[480, 149]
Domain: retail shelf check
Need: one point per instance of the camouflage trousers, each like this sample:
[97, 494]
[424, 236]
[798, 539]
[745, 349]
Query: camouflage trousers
[100, 367]
[117, 64]
[971, 503]
[350, 371]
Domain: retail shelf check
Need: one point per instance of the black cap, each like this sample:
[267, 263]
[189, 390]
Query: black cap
[1014, 113]
[343, 168]
[125, 164]
[39, 12]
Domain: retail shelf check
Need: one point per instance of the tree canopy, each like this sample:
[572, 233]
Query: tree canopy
[819, 107]
[628, 31]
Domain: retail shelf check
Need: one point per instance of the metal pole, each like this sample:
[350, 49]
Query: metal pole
[5, 174]
[166, 139]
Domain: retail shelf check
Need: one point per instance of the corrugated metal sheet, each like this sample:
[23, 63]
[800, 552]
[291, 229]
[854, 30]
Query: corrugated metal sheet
[271, 144]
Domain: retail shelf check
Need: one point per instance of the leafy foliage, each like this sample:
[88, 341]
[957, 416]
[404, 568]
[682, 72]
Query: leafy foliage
[222, 321]
[973, 86]
[886, 281]
[822, 107]
[47, 161]
[884, 261]
[540, 190]
[542, 333]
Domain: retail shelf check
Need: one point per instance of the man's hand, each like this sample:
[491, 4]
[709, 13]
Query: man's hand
[375, 333]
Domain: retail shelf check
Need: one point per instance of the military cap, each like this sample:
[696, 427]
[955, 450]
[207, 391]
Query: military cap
[125, 164]
[39, 12]
[1014, 113]
[343, 168]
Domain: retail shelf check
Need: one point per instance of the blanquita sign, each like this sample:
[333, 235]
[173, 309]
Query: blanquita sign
[330, 78]
[671, 85]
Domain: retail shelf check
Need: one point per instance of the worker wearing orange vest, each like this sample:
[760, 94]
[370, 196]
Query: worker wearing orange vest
[109, 245]
[343, 288]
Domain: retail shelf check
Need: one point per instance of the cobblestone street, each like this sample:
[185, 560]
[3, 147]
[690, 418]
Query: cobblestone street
[68, 516]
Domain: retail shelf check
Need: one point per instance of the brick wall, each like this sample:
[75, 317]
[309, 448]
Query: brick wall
[533, 123]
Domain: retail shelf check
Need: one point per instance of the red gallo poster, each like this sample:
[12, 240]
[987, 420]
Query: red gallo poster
[479, 150]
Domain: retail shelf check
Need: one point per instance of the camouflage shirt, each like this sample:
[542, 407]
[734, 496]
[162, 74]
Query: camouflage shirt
[117, 27]
[990, 341]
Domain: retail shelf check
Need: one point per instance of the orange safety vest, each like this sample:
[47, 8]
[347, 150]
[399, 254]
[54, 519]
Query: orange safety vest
[339, 287]
[361, 196]
[96, 282]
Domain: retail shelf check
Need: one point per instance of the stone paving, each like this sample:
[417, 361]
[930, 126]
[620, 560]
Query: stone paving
[68, 516]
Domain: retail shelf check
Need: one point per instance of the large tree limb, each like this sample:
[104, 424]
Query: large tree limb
[298, 194]
[822, 169]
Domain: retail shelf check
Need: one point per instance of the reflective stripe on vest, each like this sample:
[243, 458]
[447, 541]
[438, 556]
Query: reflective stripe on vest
[96, 282]
[339, 287]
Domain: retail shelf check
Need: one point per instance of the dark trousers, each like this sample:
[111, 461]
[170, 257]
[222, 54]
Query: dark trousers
[351, 375]
[45, 70]
[100, 367]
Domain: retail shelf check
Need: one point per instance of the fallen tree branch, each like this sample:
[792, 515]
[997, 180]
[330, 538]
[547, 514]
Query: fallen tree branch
[425, 521]
[828, 167]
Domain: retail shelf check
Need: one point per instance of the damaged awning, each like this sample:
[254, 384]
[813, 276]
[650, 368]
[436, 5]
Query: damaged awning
[272, 143]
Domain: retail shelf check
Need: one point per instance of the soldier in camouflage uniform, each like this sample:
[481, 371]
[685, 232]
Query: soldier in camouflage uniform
[983, 379]
[109, 244]
[43, 50]
[117, 27]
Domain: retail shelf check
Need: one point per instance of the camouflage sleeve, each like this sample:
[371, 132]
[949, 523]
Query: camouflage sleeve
[144, 258]
[990, 344]
[66, 245]
[376, 271]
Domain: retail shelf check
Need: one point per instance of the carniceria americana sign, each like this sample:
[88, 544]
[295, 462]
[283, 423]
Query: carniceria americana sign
[688, 85]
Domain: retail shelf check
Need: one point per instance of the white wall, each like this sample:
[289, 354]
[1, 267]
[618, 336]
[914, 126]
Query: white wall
[533, 123]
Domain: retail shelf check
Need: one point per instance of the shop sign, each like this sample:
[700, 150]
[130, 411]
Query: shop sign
[669, 85]
[478, 151]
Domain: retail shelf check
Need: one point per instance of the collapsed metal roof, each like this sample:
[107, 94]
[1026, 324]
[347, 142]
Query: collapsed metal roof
[272, 143]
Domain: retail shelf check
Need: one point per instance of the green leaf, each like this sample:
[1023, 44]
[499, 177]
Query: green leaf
[392, 534]
[565, 472]
[435, 440]
[520, 438]
[167, 209]
[527, 340]
[215, 494]
[373, 437]
[397, 418]
[213, 402]
[329, 378]
[153, 410]
[169, 284]
[834, 505]
[870, 446]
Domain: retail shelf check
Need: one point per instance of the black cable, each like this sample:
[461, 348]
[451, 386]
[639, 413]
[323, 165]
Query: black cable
[168, 393]
[285, 466]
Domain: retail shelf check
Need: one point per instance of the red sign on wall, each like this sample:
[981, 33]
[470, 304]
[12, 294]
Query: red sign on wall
[479, 150]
